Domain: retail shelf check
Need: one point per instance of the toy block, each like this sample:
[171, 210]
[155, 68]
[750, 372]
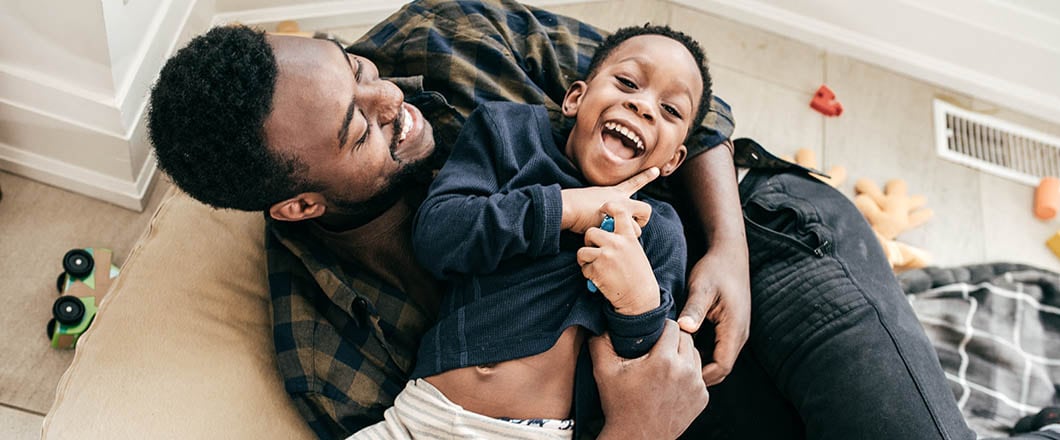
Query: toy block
[1054, 244]
[824, 102]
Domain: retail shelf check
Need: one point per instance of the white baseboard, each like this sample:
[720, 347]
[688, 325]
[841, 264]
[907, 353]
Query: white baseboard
[113, 114]
[320, 15]
[1041, 100]
[339, 13]
[129, 195]
[166, 35]
[120, 116]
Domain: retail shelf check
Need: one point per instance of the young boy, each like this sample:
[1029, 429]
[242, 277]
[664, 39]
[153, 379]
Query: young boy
[503, 222]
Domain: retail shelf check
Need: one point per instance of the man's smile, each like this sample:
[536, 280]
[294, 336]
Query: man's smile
[410, 142]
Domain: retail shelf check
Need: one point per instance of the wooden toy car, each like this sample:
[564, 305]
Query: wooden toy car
[86, 277]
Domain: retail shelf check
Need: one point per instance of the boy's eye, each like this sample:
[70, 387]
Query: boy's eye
[671, 110]
[626, 82]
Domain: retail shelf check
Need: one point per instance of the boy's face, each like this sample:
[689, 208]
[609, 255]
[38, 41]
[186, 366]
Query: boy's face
[635, 112]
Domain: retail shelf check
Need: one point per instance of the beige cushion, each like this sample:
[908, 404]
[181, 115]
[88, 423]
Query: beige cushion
[182, 345]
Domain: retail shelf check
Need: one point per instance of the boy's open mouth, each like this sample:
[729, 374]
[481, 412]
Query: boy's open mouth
[622, 141]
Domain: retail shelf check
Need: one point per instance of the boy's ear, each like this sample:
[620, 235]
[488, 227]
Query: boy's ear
[678, 158]
[573, 99]
[303, 206]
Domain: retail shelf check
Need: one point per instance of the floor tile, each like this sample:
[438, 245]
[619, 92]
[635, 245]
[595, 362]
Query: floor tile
[38, 224]
[18, 425]
[886, 132]
[752, 51]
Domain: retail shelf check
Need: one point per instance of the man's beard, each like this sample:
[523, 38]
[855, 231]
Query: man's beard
[414, 174]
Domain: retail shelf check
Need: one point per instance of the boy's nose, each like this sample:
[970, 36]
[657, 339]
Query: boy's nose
[643, 110]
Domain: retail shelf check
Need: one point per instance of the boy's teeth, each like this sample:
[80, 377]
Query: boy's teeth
[629, 134]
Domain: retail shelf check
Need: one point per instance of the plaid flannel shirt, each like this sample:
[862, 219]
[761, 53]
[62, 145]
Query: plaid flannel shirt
[345, 340]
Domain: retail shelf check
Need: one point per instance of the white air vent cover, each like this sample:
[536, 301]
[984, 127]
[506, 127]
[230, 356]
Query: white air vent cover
[995, 146]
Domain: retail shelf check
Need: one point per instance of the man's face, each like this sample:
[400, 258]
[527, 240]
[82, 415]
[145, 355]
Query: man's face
[635, 112]
[352, 130]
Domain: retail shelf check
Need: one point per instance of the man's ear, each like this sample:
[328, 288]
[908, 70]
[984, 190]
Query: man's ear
[573, 98]
[671, 165]
[300, 207]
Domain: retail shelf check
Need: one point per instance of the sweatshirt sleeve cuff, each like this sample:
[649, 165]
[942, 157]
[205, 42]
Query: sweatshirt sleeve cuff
[547, 202]
[633, 336]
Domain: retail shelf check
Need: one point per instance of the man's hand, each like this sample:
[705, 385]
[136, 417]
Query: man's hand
[616, 263]
[718, 290]
[581, 206]
[656, 396]
[718, 286]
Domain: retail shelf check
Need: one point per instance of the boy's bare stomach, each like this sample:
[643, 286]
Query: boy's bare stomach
[539, 386]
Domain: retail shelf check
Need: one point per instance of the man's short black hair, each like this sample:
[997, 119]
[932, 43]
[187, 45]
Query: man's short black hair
[620, 36]
[206, 121]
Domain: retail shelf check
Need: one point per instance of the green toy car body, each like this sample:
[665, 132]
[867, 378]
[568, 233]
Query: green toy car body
[82, 285]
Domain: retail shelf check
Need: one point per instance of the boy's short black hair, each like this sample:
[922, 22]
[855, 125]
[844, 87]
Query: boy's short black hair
[206, 120]
[620, 36]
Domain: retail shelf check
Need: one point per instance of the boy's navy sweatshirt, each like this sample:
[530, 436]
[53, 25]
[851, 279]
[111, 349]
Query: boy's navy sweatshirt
[491, 227]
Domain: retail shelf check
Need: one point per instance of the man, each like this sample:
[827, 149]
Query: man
[338, 158]
[349, 302]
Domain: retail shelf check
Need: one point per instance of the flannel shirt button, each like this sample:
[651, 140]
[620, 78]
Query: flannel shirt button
[360, 311]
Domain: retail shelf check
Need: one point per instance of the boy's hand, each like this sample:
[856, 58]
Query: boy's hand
[581, 206]
[616, 263]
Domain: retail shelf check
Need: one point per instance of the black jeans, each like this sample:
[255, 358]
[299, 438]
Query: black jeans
[835, 350]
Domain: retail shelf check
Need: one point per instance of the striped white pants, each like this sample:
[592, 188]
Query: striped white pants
[423, 412]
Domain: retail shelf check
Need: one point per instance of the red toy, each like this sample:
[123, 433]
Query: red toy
[824, 102]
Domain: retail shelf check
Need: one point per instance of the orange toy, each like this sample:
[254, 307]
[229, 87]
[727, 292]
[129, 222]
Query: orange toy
[807, 158]
[1047, 198]
[290, 27]
[891, 212]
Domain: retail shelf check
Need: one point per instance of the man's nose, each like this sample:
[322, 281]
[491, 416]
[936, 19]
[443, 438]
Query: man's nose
[383, 98]
[641, 108]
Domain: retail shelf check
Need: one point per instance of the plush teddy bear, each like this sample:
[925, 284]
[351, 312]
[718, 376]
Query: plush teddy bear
[807, 158]
[291, 27]
[891, 212]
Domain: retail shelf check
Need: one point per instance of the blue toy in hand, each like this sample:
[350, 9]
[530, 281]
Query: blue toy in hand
[608, 225]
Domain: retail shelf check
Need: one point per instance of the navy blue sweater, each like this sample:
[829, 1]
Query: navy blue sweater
[491, 227]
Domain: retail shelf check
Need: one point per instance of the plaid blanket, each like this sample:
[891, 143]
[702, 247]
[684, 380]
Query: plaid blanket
[996, 328]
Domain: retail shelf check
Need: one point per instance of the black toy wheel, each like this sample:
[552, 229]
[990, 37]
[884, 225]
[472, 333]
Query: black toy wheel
[68, 309]
[78, 262]
[60, 282]
[51, 328]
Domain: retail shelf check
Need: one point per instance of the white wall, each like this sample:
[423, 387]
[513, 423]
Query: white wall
[74, 75]
[128, 26]
[1006, 51]
[74, 78]
[56, 42]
